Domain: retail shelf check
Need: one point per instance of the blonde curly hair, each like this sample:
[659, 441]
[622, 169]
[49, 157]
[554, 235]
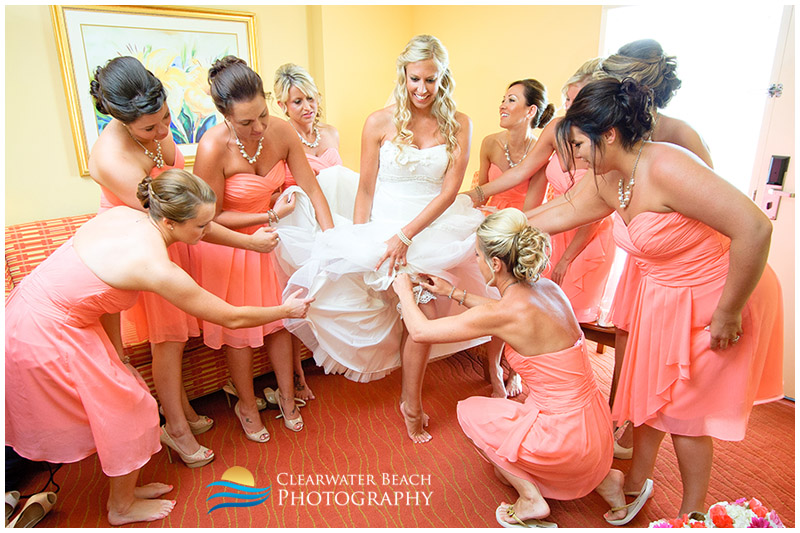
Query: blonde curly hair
[524, 250]
[421, 48]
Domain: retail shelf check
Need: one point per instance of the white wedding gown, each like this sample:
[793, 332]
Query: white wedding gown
[353, 327]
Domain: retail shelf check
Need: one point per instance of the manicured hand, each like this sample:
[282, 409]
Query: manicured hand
[725, 329]
[436, 285]
[395, 254]
[285, 205]
[264, 239]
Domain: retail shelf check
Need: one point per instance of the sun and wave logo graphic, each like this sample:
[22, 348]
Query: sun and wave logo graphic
[242, 482]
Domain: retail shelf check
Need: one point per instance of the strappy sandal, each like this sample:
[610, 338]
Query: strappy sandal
[295, 424]
[201, 425]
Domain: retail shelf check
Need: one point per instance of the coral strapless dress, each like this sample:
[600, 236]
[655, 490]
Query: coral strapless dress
[68, 395]
[587, 275]
[353, 327]
[560, 438]
[241, 277]
[671, 379]
[153, 318]
[513, 197]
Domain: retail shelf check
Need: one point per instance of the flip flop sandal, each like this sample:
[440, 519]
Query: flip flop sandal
[634, 507]
[508, 510]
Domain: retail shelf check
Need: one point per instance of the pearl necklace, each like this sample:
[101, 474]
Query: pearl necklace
[625, 190]
[242, 151]
[157, 158]
[508, 156]
[316, 140]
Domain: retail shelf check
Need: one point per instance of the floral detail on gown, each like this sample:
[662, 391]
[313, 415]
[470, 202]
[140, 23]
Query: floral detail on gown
[353, 326]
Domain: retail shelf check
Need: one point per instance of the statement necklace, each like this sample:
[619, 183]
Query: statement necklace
[625, 190]
[508, 156]
[157, 157]
[316, 140]
[242, 151]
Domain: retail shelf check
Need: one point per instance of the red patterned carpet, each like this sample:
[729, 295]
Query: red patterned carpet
[355, 433]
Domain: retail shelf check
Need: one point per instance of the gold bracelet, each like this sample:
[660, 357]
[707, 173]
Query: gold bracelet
[402, 236]
[451, 292]
[464, 297]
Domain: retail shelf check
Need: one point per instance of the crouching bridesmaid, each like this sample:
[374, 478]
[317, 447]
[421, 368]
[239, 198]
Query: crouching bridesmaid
[558, 444]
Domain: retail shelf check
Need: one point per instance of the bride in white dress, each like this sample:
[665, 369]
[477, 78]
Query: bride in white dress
[408, 217]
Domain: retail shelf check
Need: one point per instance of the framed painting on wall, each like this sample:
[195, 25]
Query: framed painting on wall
[178, 45]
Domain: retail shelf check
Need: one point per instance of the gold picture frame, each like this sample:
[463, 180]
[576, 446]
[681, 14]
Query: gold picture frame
[177, 44]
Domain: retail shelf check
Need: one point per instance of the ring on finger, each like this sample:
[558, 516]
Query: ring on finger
[735, 339]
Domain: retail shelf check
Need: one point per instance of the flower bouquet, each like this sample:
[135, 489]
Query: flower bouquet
[741, 513]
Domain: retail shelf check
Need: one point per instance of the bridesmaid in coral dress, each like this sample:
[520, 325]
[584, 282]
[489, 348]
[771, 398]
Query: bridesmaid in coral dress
[69, 391]
[645, 61]
[137, 142]
[558, 443]
[244, 161]
[523, 109]
[705, 339]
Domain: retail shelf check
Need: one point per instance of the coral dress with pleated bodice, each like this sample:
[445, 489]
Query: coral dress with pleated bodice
[560, 438]
[153, 318]
[587, 274]
[242, 277]
[671, 379]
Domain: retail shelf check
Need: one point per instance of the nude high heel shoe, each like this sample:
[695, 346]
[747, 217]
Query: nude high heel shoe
[35, 509]
[295, 424]
[230, 390]
[201, 457]
[260, 436]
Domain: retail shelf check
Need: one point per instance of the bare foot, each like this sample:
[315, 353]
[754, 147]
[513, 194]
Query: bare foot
[415, 425]
[151, 490]
[301, 388]
[514, 384]
[141, 511]
[525, 509]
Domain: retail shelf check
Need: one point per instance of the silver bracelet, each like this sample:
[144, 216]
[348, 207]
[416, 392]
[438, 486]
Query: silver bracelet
[402, 236]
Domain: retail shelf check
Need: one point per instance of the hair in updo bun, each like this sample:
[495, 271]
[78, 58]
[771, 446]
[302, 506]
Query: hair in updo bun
[605, 104]
[536, 94]
[126, 90]
[506, 235]
[232, 81]
[645, 61]
[175, 195]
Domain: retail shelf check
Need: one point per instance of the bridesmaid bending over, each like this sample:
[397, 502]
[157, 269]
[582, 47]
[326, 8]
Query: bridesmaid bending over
[71, 393]
[558, 444]
[705, 338]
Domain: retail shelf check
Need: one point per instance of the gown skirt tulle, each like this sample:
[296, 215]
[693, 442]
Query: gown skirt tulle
[671, 380]
[513, 197]
[68, 395]
[241, 277]
[586, 277]
[353, 327]
[339, 184]
[560, 438]
[153, 318]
